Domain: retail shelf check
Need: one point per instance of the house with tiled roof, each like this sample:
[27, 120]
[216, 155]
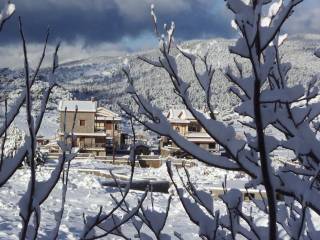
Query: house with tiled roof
[186, 125]
[96, 129]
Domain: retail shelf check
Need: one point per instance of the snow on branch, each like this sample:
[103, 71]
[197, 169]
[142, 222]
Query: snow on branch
[6, 13]
[161, 125]
[282, 117]
[10, 165]
[105, 221]
[208, 223]
[37, 192]
[13, 112]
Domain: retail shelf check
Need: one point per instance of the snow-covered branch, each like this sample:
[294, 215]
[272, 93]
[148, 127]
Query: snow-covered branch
[6, 13]
[14, 111]
[269, 102]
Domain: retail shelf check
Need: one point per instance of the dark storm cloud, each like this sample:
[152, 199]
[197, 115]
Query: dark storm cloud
[110, 20]
[89, 28]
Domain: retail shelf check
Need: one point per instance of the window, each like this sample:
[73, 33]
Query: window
[100, 140]
[194, 128]
[212, 145]
[82, 122]
[99, 126]
[109, 126]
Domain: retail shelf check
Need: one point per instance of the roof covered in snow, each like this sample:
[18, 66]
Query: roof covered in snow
[199, 137]
[105, 114]
[83, 106]
[181, 115]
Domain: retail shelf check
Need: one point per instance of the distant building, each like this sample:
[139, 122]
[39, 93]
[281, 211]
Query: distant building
[186, 125]
[96, 129]
[41, 140]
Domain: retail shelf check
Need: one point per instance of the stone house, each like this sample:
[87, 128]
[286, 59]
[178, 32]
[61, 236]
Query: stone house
[185, 124]
[96, 129]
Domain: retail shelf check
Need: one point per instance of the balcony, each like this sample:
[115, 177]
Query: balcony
[96, 145]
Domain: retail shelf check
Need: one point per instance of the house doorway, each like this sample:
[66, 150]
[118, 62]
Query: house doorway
[82, 142]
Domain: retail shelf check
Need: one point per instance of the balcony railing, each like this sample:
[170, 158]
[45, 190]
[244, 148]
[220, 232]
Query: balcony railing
[108, 132]
[96, 145]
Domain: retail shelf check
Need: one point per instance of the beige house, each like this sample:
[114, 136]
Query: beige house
[96, 129]
[185, 124]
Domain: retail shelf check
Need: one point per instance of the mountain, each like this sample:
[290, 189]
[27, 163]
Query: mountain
[102, 77]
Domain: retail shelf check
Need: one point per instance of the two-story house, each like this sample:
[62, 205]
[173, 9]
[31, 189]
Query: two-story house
[96, 129]
[187, 126]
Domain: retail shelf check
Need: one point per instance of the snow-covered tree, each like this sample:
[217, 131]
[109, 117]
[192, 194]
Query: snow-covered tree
[37, 191]
[275, 116]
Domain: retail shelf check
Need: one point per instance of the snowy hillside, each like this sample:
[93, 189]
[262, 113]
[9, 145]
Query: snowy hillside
[103, 79]
[12, 83]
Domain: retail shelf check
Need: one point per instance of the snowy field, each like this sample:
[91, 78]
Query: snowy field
[85, 195]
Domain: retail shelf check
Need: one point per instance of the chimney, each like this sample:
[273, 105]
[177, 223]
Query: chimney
[93, 99]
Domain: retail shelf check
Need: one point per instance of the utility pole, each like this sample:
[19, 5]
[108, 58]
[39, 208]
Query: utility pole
[113, 142]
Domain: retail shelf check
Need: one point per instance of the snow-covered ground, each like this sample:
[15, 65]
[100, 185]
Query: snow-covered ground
[86, 195]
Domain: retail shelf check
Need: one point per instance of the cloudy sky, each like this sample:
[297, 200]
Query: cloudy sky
[111, 27]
